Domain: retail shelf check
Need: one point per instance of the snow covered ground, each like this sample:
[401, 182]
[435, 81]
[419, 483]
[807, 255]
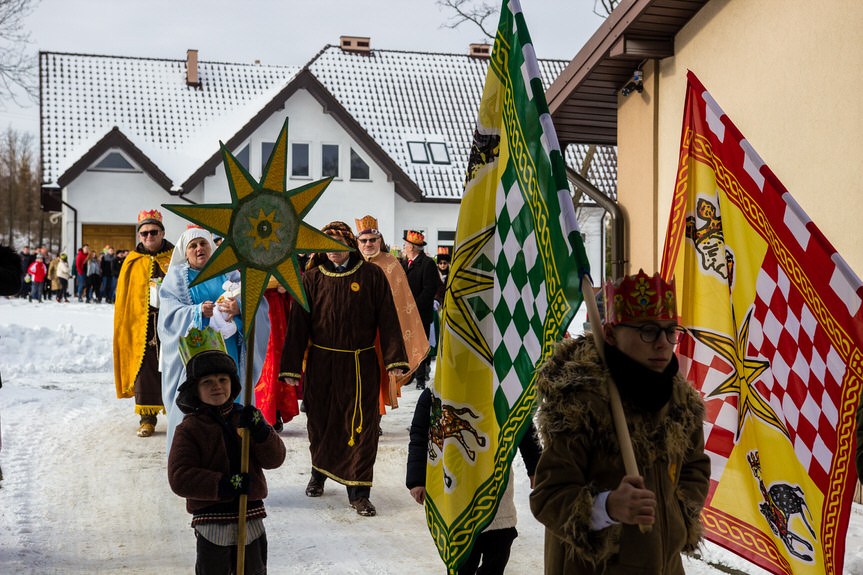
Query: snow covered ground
[83, 494]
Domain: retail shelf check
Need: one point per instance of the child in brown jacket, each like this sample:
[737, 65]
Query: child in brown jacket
[204, 462]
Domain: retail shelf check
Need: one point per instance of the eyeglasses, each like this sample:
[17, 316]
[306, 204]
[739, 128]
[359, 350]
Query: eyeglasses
[368, 240]
[145, 233]
[649, 332]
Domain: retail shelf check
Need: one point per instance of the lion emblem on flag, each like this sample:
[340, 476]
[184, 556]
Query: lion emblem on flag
[716, 257]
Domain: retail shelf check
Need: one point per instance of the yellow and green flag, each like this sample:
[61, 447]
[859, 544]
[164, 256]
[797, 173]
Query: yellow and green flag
[774, 333]
[513, 289]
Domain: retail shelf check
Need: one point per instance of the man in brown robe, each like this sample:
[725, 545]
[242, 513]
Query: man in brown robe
[350, 304]
[136, 311]
[374, 250]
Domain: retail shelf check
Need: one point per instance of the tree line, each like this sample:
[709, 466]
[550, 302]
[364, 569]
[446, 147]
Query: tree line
[22, 221]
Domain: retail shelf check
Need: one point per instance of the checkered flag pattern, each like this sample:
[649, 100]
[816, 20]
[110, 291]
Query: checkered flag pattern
[703, 365]
[807, 372]
[519, 297]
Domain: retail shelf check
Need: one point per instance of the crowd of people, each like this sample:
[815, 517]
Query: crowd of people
[345, 355]
[92, 276]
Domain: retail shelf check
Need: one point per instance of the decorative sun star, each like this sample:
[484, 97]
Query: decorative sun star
[262, 227]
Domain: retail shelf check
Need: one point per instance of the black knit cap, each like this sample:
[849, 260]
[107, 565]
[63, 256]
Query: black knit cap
[199, 366]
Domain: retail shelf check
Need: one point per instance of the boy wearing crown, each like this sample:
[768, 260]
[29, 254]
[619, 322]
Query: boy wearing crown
[592, 510]
[204, 461]
[136, 311]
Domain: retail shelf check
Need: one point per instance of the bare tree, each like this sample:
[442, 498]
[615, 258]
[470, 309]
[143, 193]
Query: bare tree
[16, 65]
[21, 216]
[466, 11]
[607, 7]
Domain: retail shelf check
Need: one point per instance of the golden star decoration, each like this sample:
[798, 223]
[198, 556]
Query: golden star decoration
[741, 381]
[262, 227]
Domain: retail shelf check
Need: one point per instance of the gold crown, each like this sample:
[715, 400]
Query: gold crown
[415, 237]
[200, 340]
[640, 298]
[367, 225]
[149, 215]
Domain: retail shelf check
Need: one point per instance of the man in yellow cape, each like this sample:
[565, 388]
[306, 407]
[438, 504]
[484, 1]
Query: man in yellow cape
[136, 311]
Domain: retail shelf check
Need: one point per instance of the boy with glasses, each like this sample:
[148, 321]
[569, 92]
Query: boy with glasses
[591, 509]
[136, 311]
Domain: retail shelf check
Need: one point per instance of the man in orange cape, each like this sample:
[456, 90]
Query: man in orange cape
[374, 250]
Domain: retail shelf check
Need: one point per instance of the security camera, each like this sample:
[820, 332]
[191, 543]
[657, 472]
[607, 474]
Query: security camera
[634, 85]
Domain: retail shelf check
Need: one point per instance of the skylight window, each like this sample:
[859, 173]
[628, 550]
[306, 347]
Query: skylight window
[425, 152]
[419, 153]
[439, 152]
[115, 162]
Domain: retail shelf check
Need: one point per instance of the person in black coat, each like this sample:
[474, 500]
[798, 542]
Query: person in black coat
[424, 281]
[10, 271]
[493, 545]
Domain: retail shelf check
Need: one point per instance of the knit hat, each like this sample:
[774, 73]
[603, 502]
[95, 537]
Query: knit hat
[150, 217]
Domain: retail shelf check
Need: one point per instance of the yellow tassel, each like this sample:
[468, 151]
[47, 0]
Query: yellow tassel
[351, 442]
[360, 429]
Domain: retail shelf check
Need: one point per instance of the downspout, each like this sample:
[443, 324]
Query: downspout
[75, 220]
[614, 212]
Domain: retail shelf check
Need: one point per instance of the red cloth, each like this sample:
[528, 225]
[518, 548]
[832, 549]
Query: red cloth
[272, 394]
[80, 259]
[38, 270]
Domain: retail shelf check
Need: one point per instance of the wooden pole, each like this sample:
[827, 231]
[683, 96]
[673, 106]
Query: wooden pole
[629, 463]
[244, 454]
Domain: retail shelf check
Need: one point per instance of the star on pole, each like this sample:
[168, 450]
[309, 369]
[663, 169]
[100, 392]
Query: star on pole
[262, 227]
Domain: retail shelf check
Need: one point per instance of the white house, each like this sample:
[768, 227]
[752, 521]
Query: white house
[120, 135]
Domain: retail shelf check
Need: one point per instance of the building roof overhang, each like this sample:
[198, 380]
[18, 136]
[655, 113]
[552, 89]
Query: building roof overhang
[583, 99]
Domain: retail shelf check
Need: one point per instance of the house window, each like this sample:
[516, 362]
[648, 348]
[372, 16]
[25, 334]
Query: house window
[445, 237]
[418, 152]
[266, 150]
[243, 157]
[439, 152]
[329, 160]
[300, 160]
[359, 168]
[115, 162]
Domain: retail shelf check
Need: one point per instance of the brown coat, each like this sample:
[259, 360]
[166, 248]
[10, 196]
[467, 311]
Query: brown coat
[199, 459]
[348, 310]
[581, 458]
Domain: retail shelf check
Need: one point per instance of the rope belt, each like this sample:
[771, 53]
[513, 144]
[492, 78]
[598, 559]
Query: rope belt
[359, 386]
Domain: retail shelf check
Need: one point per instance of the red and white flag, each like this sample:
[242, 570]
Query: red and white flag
[774, 333]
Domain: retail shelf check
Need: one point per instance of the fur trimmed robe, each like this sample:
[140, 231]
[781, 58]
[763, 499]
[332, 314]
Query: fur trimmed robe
[581, 458]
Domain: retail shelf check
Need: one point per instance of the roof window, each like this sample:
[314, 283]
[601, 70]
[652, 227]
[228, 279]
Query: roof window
[426, 152]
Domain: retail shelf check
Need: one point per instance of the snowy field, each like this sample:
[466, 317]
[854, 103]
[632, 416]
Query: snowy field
[82, 494]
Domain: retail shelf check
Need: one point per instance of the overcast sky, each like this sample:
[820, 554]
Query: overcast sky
[281, 32]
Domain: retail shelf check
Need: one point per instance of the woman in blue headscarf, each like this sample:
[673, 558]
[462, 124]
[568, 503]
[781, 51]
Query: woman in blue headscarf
[183, 307]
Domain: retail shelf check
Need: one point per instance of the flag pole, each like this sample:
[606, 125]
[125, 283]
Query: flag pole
[244, 453]
[629, 463]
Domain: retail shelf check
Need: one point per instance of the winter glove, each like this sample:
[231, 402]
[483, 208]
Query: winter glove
[252, 418]
[231, 486]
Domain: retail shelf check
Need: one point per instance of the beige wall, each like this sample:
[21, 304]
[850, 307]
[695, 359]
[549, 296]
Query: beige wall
[787, 73]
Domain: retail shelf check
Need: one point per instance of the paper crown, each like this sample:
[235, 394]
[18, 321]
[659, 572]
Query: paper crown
[640, 298]
[415, 238]
[149, 215]
[367, 225]
[443, 250]
[200, 340]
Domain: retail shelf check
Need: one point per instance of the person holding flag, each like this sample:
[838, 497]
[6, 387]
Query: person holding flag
[513, 288]
[591, 507]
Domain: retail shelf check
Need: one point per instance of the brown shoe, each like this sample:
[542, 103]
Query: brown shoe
[146, 430]
[364, 507]
[315, 488]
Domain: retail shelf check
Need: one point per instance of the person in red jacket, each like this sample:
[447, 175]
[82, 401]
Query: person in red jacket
[37, 271]
[81, 270]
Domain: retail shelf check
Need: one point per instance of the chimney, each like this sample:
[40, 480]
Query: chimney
[192, 68]
[359, 44]
[480, 50]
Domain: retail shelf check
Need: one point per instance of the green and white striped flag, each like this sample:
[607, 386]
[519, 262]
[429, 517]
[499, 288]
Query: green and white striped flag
[513, 289]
